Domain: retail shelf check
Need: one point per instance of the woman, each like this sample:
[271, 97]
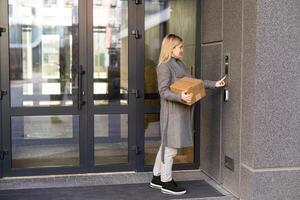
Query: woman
[176, 118]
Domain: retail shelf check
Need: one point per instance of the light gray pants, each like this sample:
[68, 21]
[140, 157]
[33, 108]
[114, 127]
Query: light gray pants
[164, 169]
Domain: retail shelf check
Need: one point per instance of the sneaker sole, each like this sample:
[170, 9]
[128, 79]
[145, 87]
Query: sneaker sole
[166, 191]
[155, 186]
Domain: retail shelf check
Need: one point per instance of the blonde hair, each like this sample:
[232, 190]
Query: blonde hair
[169, 42]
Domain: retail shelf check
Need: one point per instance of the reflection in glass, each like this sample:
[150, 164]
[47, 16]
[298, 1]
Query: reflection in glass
[111, 139]
[43, 47]
[152, 142]
[110, 25]
[152, 137]
[45, 141]
[162, 18]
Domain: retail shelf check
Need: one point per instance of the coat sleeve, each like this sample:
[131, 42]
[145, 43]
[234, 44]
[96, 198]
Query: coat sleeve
[164, 82]
[209, 84]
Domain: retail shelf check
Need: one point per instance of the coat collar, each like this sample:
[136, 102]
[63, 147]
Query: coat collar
[178, 67]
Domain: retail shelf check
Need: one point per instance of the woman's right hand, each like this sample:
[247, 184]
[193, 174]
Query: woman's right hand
[186, 97]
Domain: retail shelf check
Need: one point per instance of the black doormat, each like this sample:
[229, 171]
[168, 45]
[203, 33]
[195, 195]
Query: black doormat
[142, 191]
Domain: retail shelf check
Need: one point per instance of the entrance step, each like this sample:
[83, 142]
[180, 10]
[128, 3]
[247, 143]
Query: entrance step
[106, 185]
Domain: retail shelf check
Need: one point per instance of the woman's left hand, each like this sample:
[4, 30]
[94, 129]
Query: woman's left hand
[221, 82]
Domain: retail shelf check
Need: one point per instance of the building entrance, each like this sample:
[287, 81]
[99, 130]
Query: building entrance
[79, 83]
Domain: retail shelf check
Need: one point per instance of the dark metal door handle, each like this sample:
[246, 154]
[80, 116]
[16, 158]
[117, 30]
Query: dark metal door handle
[2, 93]
[80, 72]
[2, 30]
[3, 154]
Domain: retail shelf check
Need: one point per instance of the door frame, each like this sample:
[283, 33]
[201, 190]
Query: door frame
[129, 109]
[3, 62]
[1, 149]
[1, 146]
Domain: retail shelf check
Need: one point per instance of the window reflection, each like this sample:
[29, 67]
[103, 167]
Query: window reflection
[110, 22]
[43, 45]
[111, 139]
[45, 141]
[152, 137]
[157, 13]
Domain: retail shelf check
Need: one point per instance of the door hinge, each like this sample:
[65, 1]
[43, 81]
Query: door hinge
[138, 2]
[136, 149]
[135, 92]
[2, 30]
[3, 153]
[136, 34]
[2, 93]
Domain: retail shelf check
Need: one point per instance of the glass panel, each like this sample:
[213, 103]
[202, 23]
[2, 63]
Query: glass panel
[162, 18]
[111, 139]
[185, 155]
[110, 24]
[43, 47]
[45, 141]
[152, 137]
[152, 142]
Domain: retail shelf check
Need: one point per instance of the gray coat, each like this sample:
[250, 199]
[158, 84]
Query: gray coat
[176, 118]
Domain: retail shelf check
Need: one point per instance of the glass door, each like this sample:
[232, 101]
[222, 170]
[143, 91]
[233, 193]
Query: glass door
[161, 18]
[43, 74]
[111, 85]
[71, 102]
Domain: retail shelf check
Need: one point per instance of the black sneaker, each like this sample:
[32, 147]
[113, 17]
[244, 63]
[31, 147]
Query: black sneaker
[155, 183]
[172, 188]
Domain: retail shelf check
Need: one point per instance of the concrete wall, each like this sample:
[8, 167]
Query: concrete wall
[272, 160]
[259, 127]
[232, 28]
[220, 121]
[211, 106]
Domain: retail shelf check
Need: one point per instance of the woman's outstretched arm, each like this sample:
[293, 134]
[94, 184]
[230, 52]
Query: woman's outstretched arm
[214, 84]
